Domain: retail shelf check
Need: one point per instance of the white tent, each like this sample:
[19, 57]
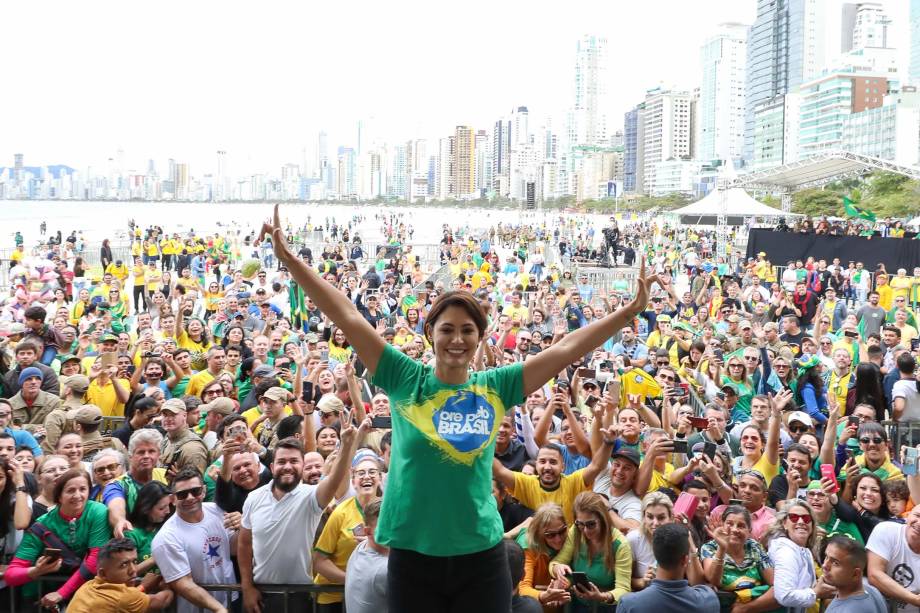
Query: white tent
[732, 202]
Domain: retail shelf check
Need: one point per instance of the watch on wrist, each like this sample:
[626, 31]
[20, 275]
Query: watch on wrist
[22, 488]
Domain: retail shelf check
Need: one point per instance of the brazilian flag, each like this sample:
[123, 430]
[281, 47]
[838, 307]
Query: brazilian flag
[854, 211]
[298, 307]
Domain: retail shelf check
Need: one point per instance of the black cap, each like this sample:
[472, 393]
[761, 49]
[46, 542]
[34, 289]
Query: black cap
[627, 453]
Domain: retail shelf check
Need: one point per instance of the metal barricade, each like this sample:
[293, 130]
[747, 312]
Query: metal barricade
[901, 433]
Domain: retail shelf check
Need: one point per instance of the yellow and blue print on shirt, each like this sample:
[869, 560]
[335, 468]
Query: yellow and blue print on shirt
[439, 486]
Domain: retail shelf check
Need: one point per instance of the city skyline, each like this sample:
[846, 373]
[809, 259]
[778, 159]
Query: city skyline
[800, 78]
[203, 77]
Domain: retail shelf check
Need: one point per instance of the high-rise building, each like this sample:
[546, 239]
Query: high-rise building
[501, 156]
[785, 47]
[863, 25]
[668, 131]
[914, 76]
[464, 169]
[587, 124]
[633, 150]
[17, 168]
[720, 116]
[483, 179]
[346, 170]
[828, 100]
[889, 132]
[444, 179]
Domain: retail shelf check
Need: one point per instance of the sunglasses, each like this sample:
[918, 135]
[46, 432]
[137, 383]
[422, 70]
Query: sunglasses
[797, 429]
[195, 492]
[751, 358]
[799, 518]
[668, 378]
[736, 365]
[554, 533]
[107, 468]
[591, 524]
[875, 440]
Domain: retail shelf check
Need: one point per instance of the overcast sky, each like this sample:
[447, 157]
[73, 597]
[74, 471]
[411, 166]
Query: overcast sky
[182, 79]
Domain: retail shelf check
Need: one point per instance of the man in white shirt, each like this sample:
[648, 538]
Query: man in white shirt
[280, 518]
[894, 557]
[366, 571]
[193, 547]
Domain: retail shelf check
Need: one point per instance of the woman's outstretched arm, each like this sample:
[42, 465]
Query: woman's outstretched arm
[334, 304]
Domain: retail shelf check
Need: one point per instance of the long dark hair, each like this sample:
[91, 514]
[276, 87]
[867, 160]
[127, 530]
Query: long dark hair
[812, 376]
[7, 495]
[147, 498]
[868, 389]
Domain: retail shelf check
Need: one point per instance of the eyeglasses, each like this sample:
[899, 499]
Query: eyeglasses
[194, 492]
[107, 468]
[554, 533]
[751, 358]
[875, 440]
[370, 472]
[780, 366]
[591, 524]
[668, 378]
[736, 365]
[815, 494]
[799, 517]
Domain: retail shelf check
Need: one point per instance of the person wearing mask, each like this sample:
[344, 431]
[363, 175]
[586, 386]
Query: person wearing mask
[845, 562]
[669, 591]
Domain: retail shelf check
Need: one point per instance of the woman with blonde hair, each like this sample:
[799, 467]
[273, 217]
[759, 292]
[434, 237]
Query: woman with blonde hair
[597, 549]
[657, 510]
[545, 536]
[793, 542]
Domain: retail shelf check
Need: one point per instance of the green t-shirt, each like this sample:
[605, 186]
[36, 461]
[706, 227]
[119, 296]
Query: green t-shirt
[142, 540]
[835, 526]
[439, 490]
[89, 530]
[179, 390]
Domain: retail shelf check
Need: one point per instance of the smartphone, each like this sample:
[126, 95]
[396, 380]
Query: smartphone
[613, 388]
[585, 373]
[591, 401]
[699, 422]
[383, 422]
[709, 449]
[109, 358]
[686, 504]
[52, 553]
[827, 472]
[562, 385]
[324, 355]
[391, 321]
[911, 457]
[914, 343]
[577, 578]
[359, 530]
[852, 420]
[679, 446]
[684, 388]
[718, 355]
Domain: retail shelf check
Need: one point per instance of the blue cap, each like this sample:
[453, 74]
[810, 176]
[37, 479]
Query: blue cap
[707, 267]
[28, 372]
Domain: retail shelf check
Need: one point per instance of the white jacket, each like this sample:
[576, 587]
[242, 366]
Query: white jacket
[793, 575]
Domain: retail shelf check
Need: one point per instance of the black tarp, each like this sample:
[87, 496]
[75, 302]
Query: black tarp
[781, 247]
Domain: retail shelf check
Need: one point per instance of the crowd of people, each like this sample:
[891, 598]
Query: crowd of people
[512, 438]
[888, 228]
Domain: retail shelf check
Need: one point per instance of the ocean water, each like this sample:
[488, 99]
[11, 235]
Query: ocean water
[98, 220]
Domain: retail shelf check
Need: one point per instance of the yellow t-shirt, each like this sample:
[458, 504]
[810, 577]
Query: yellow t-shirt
[98, 595]
[637, 381]
[251, 415]
[660, 479]
[885, 296]
[908, 333]
[900, 287]
[152, 279]
[520, 311]
[105, 398]
[529, 493]
[138, 271]
[338, 541]
[197, 383]
[186, 342]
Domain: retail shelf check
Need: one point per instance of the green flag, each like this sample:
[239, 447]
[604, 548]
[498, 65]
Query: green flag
[854, 211]
[298, 307]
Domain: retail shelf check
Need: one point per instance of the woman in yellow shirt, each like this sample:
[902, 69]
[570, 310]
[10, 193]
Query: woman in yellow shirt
[339, 347]
[345, 525]
[885, 292]
[193, 337]
[212, 298]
